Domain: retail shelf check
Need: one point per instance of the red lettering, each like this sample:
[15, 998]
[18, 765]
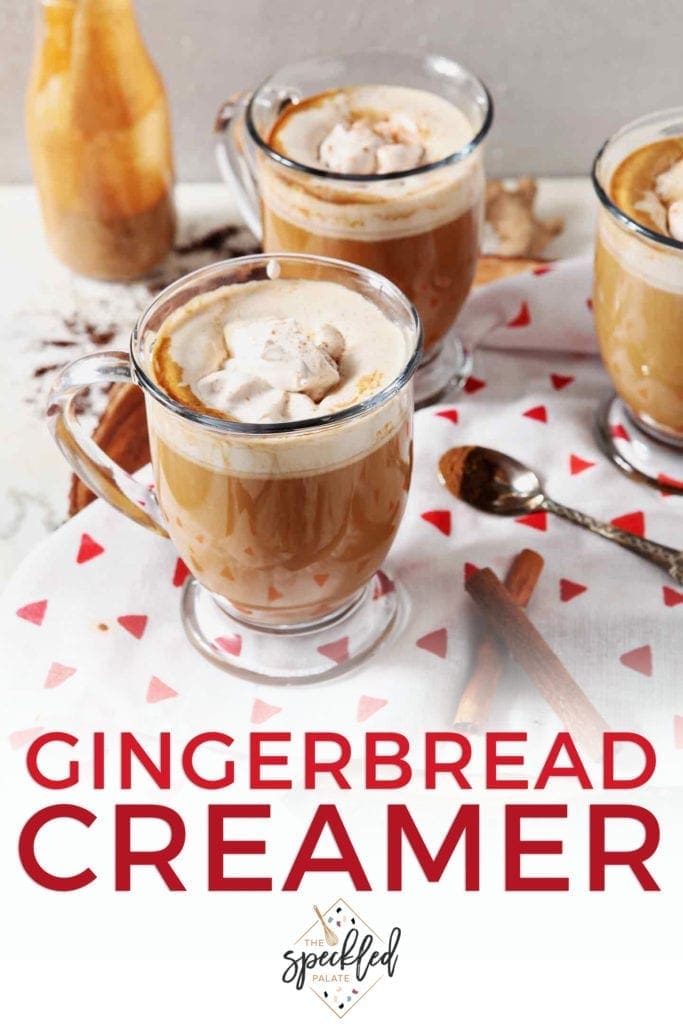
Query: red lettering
[400, 824]
[328, 816]
[32, 761]
[516, 848]
[433, 766]
[98, 760]
[219, 847]
[600, 858]
[159, 859]
[132, 749]
[494, 760]
[575, 769]
[191, 773]
[610, 741]
[395, 759]
[257, 759]
[27, 852]
[334, 768]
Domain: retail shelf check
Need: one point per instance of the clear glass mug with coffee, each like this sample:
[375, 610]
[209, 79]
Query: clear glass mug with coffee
[374, 158]
[279, 404]
[638, 295]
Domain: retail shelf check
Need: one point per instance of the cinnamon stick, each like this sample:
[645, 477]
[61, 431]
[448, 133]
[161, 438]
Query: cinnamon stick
[489, 663]
[544, 668]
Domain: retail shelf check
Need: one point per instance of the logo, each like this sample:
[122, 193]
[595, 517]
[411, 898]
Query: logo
[339, 957]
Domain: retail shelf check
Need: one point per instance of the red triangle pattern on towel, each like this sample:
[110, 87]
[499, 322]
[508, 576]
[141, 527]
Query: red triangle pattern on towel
[539, 412]
[368, 706]
[337, 651]
[230, 644]
[559, 381]
[569, 589]
[472, 385]
[57, 674]
[22, 737]
[539, 271]
[88, 549]
[579, 465]
[133, 624]
[34, 612]
[436, 642]
[639, 660]
[678, 732]
[440, 518]
[536, 520]
[383, 585]
[261, 712]
[668, 481]
[522, 318]
[469, 570]
[157, 691]
[449, 414]
[632, 522]
[671, 597]
[619, 431]
[180, 573]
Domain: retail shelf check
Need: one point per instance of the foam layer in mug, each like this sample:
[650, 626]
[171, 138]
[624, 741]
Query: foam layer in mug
[377, 209]
[637, 186]
[658, 266]
[193, 343]
[649, 181]
[442, 128]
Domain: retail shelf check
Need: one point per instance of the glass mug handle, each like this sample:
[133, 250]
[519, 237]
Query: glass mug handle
[85, 457]
[236, 161]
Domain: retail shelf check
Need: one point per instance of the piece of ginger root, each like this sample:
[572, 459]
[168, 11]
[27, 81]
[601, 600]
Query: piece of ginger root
[510, 212]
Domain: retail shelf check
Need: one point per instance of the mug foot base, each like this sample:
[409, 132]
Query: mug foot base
[313, 653]
[447, 371]
[637, 452]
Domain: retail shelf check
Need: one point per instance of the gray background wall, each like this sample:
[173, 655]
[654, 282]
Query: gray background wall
[564, 73]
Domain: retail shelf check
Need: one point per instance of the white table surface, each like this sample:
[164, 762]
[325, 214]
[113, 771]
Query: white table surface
[39, 298]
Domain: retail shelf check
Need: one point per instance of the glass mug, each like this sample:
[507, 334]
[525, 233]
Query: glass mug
[284, 526]
[638, 305]
[420, 228]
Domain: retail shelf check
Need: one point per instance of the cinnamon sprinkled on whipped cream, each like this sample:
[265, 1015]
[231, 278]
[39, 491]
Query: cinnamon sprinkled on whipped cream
[379, 147]
[371, 129]
[277, 350]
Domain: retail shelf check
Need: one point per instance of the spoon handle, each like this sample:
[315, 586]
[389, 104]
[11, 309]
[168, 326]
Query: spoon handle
[320, 917]
[666, 558]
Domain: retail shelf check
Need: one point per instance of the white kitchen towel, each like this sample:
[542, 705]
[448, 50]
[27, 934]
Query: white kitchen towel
[90, 627]
[548, 308]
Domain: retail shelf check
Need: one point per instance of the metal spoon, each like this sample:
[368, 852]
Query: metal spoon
[494, 482]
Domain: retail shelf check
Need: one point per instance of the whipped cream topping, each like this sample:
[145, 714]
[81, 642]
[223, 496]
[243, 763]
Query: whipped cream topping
[655, 209]
[361, 147]
[664, 204]
[669, 188]
[675, 218]
[370, 129]
[278, 350]
[270, 363]
[669, 184]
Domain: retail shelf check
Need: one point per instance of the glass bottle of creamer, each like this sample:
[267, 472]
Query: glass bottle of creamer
[100, 140]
